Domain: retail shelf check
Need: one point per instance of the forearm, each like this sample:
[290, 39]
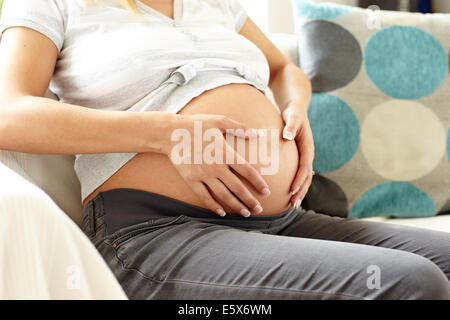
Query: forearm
[45, 126]
[290, 84]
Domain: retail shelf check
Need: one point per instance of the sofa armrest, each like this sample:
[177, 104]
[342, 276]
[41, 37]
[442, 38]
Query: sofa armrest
[287, 43]
[49, 257]
[54, 174]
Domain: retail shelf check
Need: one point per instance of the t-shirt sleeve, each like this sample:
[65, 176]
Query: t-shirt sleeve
[238, 12]
[44, 16]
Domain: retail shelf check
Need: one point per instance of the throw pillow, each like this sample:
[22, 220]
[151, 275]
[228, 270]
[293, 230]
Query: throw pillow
[380, 111]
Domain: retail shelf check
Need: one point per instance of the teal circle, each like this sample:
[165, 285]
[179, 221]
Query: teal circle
[448, 146]
[397, 199]
[336, 132]
[405, 62]
[320, 11]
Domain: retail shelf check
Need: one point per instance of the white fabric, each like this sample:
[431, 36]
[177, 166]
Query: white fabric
[53, 174]
[44, 255]
[438, 223]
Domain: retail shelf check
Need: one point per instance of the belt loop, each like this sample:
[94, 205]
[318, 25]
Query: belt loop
[90, 219]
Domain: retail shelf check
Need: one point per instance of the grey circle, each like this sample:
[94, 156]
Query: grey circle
[327, 197]
[328, 54]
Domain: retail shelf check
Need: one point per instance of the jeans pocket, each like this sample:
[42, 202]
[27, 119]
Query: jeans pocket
[145, 247]
[123, 235]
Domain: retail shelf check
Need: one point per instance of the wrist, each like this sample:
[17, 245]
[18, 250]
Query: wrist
[297, 105]
[160, 131]
[295, 108]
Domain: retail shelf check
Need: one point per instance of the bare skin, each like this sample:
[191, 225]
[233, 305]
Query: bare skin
[71, 129]
[244, 103]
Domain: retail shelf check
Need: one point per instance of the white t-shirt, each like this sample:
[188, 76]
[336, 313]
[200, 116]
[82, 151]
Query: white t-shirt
[110, 59]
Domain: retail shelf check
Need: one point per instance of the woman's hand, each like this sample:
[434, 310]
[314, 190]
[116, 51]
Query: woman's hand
[218, 179]
[298, 128]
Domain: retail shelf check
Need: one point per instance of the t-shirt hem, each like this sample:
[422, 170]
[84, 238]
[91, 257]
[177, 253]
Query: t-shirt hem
[93, 183]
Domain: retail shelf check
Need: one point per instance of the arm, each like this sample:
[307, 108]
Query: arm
[292, 92]
[34, 124]
[287, 81]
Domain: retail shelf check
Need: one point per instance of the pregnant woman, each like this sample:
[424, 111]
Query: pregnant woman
[146, 88]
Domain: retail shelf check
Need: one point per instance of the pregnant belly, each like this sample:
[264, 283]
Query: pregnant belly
[241, 102]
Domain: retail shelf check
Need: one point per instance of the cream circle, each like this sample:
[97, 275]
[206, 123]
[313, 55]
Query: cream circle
[403, 140]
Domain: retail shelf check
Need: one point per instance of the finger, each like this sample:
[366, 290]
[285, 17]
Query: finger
[305, 188]
[305, 167]
[300, 196]
[292, 127]
[252, 175]
[238, 129]
[203, 193]
[300, 178]
[224, 195]
[235, 185]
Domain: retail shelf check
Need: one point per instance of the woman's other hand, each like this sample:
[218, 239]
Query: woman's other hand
[298, 127]
[217, 179]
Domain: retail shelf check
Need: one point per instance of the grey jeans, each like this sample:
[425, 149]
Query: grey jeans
[161, 248]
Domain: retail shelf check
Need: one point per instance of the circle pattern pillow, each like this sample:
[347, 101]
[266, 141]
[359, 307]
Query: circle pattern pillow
[380, 111]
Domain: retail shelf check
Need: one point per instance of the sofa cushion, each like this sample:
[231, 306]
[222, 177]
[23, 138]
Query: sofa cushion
[437, 223]
[54, 174]
[379, 111]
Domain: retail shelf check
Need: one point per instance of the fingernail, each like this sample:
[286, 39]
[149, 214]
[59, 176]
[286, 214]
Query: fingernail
[261, 133]
[221, 213]
[265, 191]
[297, 204]
[245, 213]
[295, 191]
[287, 135]
[258, 209]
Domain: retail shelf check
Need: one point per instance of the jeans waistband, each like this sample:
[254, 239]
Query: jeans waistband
[124, 207]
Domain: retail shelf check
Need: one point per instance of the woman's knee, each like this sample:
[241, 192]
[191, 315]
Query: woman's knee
[413, 277]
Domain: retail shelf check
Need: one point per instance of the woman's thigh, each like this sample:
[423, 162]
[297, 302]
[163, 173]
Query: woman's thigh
[197, 260]
[433, 245]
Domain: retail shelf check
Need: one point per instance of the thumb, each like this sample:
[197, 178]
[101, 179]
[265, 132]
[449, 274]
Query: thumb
[291, 129]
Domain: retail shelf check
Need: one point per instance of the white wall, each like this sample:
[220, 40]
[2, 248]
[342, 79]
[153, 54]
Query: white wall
[258, 12]
[442, 5]
[276, 15]
[281, 18]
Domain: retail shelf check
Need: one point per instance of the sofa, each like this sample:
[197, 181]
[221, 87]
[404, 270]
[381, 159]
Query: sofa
[45, 253]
